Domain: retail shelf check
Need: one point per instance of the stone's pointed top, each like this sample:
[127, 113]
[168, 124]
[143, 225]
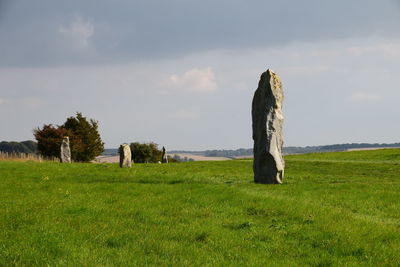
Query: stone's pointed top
[271, 83]
[268, 72]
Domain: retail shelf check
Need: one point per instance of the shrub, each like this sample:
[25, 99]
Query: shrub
[145, 152]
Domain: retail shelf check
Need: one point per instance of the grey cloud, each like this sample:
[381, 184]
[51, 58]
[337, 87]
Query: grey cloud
[349, 91]
[144, 30]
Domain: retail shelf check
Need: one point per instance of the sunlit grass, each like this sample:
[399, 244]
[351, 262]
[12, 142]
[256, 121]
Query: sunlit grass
[333, 209]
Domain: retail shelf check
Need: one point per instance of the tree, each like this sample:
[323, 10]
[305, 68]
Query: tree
[144, 153]
[141, 153]
[85, 141]
[156, 154]
[49, 139]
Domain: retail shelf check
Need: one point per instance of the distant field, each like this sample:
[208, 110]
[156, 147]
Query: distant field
[115, 159]
[334, 209]
[369, 148]
[107, 159]
[200, 158]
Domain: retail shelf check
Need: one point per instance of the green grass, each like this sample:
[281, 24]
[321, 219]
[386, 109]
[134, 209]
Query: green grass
[333, 209]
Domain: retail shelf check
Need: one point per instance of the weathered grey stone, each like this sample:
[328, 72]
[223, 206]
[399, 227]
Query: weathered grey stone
[164, 158]
[267, 117]
[65, 156]
[125, 156]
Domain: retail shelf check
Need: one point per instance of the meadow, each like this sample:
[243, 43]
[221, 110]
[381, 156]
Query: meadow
[333, 209]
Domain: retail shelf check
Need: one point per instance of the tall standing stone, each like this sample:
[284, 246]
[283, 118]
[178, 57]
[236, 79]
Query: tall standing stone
[65, 156]
[125, 156]
[267, 117]
[164, 158]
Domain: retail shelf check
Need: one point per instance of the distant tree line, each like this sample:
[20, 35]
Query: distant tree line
[177, 158]
[19, 147]
[110, 152]
[335, 148]
[229, 153]
[242, 152]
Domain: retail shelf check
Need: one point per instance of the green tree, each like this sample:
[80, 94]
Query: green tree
[85, 136]
[144, 153]
[85, 140]
[156, 154]
[141, 153]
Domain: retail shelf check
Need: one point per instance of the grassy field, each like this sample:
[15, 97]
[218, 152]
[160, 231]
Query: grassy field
[334, 209]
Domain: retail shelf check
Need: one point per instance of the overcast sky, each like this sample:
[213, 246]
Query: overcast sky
[182, 73]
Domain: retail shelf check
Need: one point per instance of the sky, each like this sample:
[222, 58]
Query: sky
[182, 73]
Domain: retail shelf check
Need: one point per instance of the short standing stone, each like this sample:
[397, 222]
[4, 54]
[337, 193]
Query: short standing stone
[65, 156]
[125, 156]
[267, 117]
[164, 156]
